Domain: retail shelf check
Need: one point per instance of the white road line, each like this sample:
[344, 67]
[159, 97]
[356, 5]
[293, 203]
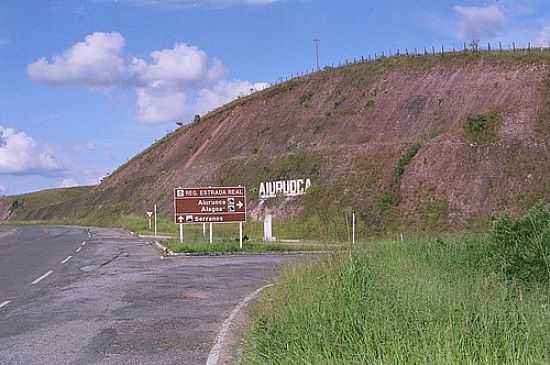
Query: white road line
[215, 352]
[42, 277]
[67, 259]
[3, 304]
[78, 249]
[83, 243]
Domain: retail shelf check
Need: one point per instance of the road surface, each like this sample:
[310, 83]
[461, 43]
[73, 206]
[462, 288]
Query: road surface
[115, 300]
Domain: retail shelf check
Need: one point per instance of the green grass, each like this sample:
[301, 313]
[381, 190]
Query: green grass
[233, 247]
[426, 302]
[24, 203]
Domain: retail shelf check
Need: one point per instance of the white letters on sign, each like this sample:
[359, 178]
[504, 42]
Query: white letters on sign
[288, 188]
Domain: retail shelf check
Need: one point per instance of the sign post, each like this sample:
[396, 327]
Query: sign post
[210, 205]
[155, 212]
[181, 233]
[210, 234]
[353, 228]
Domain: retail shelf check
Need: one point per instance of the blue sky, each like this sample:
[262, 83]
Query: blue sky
[87, 84]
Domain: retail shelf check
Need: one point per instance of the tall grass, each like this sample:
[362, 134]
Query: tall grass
[429, 302]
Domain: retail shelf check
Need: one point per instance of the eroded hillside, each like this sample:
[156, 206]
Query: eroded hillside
[427, 141]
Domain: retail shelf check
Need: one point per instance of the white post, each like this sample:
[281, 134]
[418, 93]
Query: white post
[150, 224]
[353, 228]
[181, 233]
[155, 220]
[204, 230]
[210, 233]
[268, 230]
[241, 234]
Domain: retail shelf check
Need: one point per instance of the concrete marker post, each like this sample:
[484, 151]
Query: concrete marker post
[241, 234]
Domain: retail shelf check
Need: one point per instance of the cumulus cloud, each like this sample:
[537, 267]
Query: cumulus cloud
[97, 61]
[82, 177]
[477, 23]
[221, 92]
[173, 84]
[22, 155]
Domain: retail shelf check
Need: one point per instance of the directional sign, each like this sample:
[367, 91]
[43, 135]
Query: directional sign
[149, 214]
[210, 205]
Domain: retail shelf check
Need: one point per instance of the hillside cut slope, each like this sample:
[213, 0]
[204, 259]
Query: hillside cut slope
[432, 140]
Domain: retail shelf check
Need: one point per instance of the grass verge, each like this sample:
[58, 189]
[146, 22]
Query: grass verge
[427, 302]
[233, 247]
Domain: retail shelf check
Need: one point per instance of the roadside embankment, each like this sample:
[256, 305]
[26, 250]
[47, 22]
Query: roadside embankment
[462, 300]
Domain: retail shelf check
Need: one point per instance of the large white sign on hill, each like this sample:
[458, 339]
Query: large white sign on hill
[287, 188]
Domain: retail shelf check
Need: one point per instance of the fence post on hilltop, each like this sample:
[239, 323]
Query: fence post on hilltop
[500, 46]
[442, 50]
[514, 47]
[465, 49]
[529, 48]
[489, 47]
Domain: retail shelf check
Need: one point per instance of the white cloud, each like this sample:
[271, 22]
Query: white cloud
[157, 105]
[3, 190]
[69, 183]
[21, 155]
[82, 177]
[224, 91]
[174, 85]
[98, 61]
[477, 23]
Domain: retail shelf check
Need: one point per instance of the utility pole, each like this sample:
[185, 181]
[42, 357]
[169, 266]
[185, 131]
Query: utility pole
[317, 51]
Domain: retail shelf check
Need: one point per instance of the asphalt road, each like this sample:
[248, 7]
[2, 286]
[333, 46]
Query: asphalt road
[26, 253]
[116, 301]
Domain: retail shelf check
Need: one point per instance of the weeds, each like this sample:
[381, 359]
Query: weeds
[522, 245]
[481, 127]
[425, 302]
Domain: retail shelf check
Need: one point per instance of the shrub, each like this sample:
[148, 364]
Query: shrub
[522, 245]
[14, 206]
[404, 161]
[305, 98]
[481, 127]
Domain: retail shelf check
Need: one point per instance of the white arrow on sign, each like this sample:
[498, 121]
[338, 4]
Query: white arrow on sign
[181, 219]
[240, 204]
[149, 214]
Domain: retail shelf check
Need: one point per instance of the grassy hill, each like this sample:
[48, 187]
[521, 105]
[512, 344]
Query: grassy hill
[423, 142]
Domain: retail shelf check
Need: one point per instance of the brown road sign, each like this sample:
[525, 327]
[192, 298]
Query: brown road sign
[210, 205]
